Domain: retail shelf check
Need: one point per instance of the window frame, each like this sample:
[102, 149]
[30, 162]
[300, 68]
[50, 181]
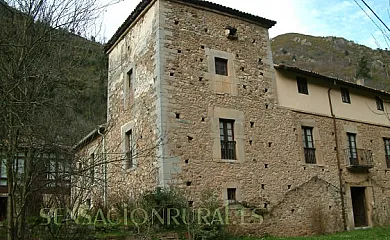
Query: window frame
[57, 170]
[129, 142]
[352, 148]
[228, 144]
[231, 195]
[345, 96]
[92, 167]
[379, 103]
[302, 85]
[308, 145]
[221, 66]
[386, 142]
[3, 172]
[130, 84]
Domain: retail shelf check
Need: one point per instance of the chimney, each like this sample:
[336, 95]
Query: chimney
[360, 81]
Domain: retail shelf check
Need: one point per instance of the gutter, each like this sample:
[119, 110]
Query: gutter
[338, 161]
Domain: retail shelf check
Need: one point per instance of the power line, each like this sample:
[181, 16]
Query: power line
[384, 24]
[372, 20]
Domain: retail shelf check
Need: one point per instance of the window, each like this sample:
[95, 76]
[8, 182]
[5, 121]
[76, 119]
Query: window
[302, 85]
[352, 149]
[379, 103]
[387, 151]
[3, 172]
[345, 95]
[130, 82]
[221, 66]
[92, 167]
[231, 195]
[58, 170]
[129, 149]
[228, 145]
[308, 145]
[51, 172]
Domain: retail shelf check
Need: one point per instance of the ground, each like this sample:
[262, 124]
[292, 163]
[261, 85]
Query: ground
[377, 233]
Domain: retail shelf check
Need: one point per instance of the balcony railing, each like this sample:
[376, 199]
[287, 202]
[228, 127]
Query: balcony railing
[228, 150]
[388, 161]
[361, 159]
[310, 155]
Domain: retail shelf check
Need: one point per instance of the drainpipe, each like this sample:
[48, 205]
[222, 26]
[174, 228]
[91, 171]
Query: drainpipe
[104, 165]
[338, 160]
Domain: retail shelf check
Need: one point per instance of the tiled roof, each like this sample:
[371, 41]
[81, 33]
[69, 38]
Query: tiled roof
[205, 4]
[330, 79]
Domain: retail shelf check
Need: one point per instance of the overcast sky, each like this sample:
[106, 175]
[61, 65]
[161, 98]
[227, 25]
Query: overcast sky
[341, 18]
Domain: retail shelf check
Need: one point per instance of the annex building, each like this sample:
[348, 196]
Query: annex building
[196, 102]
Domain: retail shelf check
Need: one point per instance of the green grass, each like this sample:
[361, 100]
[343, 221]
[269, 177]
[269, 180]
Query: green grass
[378, 233]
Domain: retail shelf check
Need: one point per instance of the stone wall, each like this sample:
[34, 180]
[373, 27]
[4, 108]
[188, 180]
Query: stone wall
[132, 106]
[271, 175]
[174, 105]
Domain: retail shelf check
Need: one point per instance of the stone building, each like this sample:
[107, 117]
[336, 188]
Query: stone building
[195, 102]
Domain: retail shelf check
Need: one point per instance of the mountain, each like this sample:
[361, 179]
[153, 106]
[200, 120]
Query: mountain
[52, 79]
[335, 57]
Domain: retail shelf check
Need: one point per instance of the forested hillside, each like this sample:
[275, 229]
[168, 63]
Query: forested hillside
[51, 78]
[334, 56]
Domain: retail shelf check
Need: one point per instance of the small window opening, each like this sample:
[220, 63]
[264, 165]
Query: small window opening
[379, 103]
[252, 124]
[266, 165]
[231, 195]
[200, 79]
[176, 22]
[302, 85]
[190, 138]
[262, 186]
[345, 95]
[289, 186]
[231, 32]
[261, 74]
[171, 74]
[269, 144]
[221, 66]
[189, 183]
[177, 115]
[179, 51]
[202, 46]
[186, 161]
[202, 119]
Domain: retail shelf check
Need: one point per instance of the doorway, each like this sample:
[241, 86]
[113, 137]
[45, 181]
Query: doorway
[359, 206]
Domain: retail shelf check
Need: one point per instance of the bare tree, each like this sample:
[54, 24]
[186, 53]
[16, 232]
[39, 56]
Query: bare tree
[41, 53]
